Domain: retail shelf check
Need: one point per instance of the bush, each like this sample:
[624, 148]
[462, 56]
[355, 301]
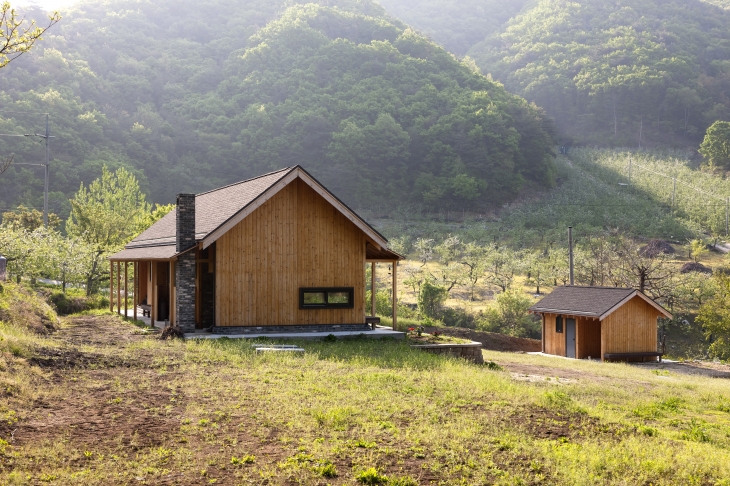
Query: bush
[66, 304]
[457, 318]
[509, 315]
[431, 299]
[383, 302]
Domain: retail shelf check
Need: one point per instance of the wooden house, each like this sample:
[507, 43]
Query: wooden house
[274, 253]
[600, 322]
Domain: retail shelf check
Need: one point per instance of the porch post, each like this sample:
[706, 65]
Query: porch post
[119, 288]
[395, 295]
[372, 289]
[126, 289]
[111, 286]
[135, 285]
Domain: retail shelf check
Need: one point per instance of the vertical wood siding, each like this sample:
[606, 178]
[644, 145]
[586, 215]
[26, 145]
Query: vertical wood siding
[296, 239]
[631, 328]
[588, 337]
[554, 341]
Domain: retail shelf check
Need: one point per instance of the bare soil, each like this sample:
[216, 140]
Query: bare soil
[490, 340]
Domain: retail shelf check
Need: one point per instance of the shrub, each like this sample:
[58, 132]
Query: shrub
[371, 476]
[509, 315]
[431, 298]
[66, 304]
[383, 302]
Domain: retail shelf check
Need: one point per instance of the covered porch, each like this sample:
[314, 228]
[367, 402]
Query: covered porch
[142, 284]
[373, 256]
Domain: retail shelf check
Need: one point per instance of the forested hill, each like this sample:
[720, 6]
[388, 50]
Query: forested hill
[609, 72]
[193, 95]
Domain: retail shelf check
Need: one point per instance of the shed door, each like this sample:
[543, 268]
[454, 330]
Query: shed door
[570, 338]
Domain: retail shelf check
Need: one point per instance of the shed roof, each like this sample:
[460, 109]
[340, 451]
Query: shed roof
[597, 302]
[217, 211]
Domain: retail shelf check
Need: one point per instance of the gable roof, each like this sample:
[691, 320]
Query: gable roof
[217, 211]
[597, 302]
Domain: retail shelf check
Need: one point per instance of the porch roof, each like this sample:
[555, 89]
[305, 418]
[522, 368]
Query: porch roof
[372, 254]
[165, 252]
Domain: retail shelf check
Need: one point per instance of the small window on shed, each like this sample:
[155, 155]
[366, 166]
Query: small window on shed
[559, 324]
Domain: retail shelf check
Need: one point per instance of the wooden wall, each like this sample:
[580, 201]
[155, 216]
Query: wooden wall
[296, 239]
[631, 328]
[588, 337]
[554, 342]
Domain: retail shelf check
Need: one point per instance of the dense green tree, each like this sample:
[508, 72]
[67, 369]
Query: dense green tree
[716, 145]
[714, 316]
[376, 111]
[106, 215]
[634, 72]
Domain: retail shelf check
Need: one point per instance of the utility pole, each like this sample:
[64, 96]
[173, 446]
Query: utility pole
[46, 166]
[570, 253]
[674, 191]
[45, 187]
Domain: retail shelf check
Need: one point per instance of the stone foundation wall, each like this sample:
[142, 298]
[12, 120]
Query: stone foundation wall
[471, 351]
[228, 330]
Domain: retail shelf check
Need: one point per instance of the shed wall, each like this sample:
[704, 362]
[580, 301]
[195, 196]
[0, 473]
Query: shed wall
[554, 341]
[588, 338]
[296, 239]
[631, 328]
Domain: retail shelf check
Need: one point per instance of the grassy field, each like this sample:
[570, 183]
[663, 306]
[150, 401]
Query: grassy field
[99, 402]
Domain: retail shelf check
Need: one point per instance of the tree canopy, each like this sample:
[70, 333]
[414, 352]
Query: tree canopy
[716, 145]
[634, 72]
[376, 111]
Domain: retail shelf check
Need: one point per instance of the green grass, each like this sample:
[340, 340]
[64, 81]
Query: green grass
[357, 411]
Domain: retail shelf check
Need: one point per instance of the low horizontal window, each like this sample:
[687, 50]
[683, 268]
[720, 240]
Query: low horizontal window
[318, 298]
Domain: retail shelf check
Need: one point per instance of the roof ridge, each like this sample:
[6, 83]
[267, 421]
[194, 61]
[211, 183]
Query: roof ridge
[288, 169]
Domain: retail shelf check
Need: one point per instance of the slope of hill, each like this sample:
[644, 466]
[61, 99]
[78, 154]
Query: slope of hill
[192, 101]
[457, 25]
[631, 72]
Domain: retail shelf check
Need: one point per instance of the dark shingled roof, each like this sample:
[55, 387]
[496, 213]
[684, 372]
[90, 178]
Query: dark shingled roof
[582, 301]
[165, 252]
[212, 209]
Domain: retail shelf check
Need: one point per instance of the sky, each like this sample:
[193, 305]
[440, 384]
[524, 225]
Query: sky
[49, 5]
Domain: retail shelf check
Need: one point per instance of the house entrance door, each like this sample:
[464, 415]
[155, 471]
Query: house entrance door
[570, 338]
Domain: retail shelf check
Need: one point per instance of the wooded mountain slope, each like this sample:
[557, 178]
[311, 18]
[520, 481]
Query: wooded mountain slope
[195, 95]
[624, 72]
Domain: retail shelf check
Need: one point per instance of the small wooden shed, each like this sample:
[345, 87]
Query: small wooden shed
[600, 322]
[276, 253]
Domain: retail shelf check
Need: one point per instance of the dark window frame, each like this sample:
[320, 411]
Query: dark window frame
[327, 291]
[559, 324]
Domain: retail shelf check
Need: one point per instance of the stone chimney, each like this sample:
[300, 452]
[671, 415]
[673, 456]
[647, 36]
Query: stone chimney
[185, 268]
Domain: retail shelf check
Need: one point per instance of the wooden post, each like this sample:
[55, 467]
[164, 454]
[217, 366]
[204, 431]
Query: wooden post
[111, 286]
[395, 295]
[126, 289]
[135, 285]
[153, 292]
[171, 294]
[119, 289]
[372, 288]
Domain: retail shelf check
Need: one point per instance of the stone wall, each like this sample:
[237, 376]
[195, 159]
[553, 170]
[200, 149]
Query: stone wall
[289, 329]
[185, 268]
